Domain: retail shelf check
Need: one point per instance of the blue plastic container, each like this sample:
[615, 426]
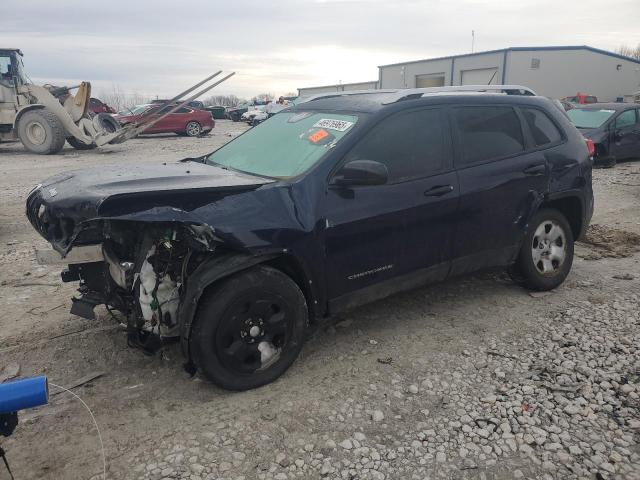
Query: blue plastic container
[24, 393]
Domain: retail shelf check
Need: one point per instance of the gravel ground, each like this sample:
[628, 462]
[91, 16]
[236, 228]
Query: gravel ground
[473, 378]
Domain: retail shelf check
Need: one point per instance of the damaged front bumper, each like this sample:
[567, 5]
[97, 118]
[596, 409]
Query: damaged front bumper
[138, 270]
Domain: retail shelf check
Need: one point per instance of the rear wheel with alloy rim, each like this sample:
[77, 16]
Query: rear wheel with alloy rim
[249, 329]
[193, 129]
[546, 254]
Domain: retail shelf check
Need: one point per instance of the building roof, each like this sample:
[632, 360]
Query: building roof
[339, 85]
[520, 49]
[10, 50]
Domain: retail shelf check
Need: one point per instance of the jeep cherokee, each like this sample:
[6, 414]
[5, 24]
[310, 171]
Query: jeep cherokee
[335, 202]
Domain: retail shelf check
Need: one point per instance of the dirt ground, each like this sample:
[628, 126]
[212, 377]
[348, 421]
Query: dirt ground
[149, 407]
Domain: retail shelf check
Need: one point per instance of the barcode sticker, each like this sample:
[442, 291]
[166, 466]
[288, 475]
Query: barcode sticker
[331, 124]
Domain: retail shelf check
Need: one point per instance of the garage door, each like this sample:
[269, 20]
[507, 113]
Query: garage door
[480, 76]
[430, 80]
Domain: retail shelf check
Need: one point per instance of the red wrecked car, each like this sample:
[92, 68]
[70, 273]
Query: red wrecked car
[581, 99]
[98, 106]
[184, 121]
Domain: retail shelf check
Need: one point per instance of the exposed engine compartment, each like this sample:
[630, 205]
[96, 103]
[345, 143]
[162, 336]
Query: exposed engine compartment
[142, 275]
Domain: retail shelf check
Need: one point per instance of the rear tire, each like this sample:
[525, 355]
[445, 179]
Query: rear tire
[546, 254]
[40, 131]
[249, 329]
[193, 129]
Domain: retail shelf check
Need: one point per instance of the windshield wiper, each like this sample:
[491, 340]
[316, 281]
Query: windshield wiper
[201, 159]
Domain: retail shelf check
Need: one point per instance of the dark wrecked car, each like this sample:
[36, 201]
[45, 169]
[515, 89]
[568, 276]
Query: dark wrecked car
[333, 203]
[614, 129]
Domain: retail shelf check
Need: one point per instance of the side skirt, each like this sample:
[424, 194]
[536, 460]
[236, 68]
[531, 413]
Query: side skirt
[388, 287]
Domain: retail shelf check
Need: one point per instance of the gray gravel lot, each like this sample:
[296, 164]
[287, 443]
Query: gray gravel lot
[475, 378]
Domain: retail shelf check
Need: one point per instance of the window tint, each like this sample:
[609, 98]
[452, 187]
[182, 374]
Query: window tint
[488, 133]
[410, 144]
[590, 99]
[626, 119]
[542, 128]
[183, 110]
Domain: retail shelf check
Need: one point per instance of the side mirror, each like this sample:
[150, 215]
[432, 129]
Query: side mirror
[361, 172]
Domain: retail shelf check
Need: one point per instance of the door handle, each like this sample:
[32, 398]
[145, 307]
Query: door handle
[535, 169]
[439, 191]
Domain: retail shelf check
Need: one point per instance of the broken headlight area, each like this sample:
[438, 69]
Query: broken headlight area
[53, 227]
[142, 274]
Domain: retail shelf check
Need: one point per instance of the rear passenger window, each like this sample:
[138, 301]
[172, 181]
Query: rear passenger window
[411, 144]
[488, 133]
[542, 128]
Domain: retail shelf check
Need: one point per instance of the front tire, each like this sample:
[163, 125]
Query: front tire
[193, 129]
[41, 131]
[78, 145]
[546, 254]
[249, 329]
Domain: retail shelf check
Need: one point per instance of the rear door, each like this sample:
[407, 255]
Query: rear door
[378, 233]
[625, 141]
[502, 175]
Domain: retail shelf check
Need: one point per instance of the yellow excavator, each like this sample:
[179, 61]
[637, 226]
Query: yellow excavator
[44, 117]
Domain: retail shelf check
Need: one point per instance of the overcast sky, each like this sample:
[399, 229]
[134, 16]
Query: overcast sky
[157, 47]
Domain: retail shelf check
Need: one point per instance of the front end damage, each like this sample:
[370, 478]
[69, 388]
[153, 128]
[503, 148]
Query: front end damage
[141, 270]
[134, 239]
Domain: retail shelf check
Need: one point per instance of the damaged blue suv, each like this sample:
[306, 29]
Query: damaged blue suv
[338, 201]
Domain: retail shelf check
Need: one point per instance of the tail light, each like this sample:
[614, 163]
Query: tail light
[591, 147]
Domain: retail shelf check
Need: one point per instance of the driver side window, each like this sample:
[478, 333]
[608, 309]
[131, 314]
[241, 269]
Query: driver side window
[5, 65]
[626, 119]
[410, 144]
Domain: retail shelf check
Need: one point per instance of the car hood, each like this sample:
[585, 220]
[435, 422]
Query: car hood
[58, 206]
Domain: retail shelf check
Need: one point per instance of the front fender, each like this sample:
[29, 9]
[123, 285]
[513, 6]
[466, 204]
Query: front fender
[208, 272]
[23, 110]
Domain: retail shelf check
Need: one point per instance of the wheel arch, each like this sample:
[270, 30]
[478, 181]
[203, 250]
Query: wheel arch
[218, 268]
[22, 111]
[571, 207]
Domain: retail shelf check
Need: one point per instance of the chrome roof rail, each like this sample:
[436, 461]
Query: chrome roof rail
[420, 92]
[397, 94]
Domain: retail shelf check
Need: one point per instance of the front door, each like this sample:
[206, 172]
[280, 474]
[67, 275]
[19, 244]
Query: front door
[380, 237]
[625, 135]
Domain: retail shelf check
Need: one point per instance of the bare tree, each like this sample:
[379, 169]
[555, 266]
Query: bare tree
[120, 100]
[264, 97]
[628, 51]
[223, 100]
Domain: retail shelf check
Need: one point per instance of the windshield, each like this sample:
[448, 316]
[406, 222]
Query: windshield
[286, 145]
[583, 118]
[137, 110]
[11, 69]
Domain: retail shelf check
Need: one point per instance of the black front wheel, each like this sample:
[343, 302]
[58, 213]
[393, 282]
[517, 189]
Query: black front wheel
[546, 254]
[249, 329]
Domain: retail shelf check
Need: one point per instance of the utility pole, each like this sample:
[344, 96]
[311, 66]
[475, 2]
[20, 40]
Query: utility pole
[473, 39]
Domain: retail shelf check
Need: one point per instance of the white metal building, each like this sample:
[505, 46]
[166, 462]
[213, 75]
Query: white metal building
[341, 87]
[551, 71]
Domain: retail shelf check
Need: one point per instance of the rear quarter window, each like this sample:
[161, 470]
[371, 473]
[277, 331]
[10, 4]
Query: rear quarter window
[542, 128]
[487, 133]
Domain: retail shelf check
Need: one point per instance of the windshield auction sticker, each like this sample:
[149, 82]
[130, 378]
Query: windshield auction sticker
[331, 124]
[320, 137]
